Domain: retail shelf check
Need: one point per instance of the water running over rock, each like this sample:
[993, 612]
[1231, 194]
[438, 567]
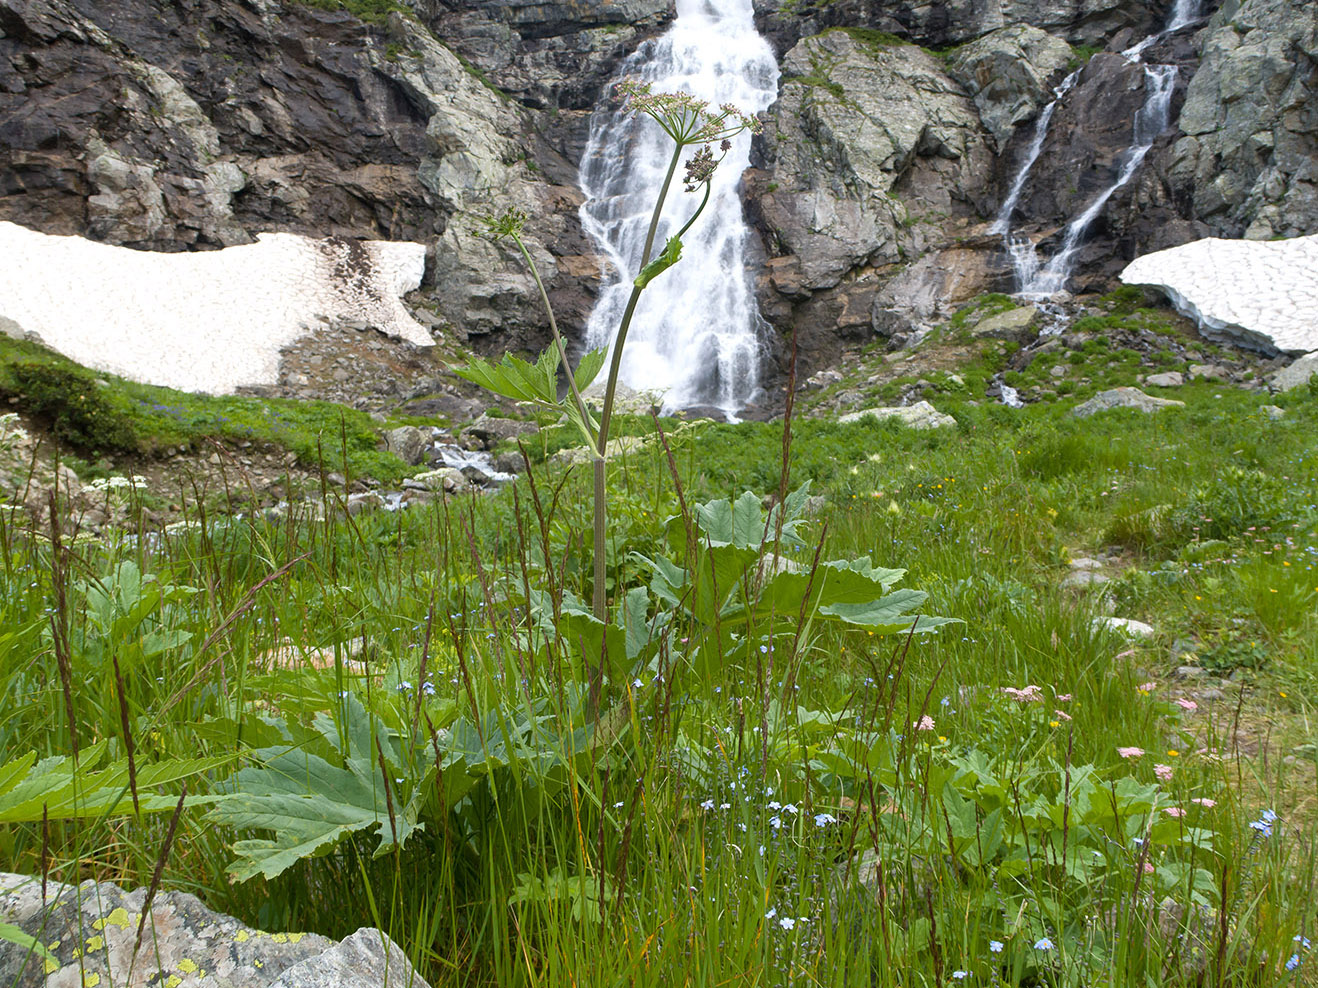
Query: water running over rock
[696, 332]
[1035, 279]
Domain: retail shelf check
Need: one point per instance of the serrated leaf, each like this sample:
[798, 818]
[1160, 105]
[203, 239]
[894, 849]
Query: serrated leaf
[589, 367]
[54, 786]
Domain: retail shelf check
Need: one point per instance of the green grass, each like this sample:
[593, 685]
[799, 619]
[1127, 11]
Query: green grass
[666, 853]
[101, 414]
[370, 11]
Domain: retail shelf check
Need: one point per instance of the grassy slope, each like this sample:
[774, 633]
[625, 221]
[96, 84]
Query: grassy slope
[1211, 508]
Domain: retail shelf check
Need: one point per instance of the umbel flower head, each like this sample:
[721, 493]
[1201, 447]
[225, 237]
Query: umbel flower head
[683, 117]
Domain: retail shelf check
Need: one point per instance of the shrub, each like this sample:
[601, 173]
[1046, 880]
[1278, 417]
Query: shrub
[72, 402]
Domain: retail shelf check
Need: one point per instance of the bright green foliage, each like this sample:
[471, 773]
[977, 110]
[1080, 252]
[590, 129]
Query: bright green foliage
[537, 383]
[312, 803]
[65, 791]
[670, 255]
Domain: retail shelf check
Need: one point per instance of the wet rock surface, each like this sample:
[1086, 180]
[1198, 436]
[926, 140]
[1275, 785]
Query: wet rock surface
[1248, 160]
[868, 158]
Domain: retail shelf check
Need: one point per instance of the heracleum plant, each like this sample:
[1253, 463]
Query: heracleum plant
[688, 122]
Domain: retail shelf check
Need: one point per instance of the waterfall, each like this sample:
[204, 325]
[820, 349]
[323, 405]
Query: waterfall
[696, 334]
[1034, 279]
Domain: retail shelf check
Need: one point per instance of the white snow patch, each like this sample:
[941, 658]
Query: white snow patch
[209, 321]
[1253, 293]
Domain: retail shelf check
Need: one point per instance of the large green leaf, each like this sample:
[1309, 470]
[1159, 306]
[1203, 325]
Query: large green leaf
[515, 378]
[27, 786]
[311, 804]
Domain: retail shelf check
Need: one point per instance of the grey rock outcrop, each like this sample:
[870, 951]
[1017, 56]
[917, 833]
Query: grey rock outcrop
[1249, 158]
[920, 415]
[870, 156]
[1295, 375]
[951, 22]
[547, 55]
[1123, 398]
[1010, 74]
[91, 930]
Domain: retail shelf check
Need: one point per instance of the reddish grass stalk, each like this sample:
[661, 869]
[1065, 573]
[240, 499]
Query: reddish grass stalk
[128, 734]
[159, 870]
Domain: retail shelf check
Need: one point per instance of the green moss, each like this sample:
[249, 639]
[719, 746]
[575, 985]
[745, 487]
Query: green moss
[370, 11]
[98, 414]
[1080, 55]
[819, 82]
[871, 37]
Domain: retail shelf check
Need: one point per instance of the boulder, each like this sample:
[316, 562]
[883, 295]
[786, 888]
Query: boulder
[1247, 158]
[1261, 295]
[1296, 374]
[1127, 626]
[1019, 324]
[1168, 379]
[492, 431]
[1122, 398]
[367, 959]
[1010, 74]
[409, 443]
[91, 930]
[920, 415]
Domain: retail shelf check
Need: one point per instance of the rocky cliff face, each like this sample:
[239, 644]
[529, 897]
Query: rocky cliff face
[1248, 159]
[197, 124]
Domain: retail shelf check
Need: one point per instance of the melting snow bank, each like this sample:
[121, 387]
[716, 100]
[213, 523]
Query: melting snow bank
[1257, 294]
[210, 321]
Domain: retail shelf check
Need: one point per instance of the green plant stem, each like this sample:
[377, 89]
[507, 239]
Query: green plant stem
[599, 605]
[558, 340]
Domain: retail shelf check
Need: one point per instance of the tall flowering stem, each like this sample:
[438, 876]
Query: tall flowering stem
[687, 121]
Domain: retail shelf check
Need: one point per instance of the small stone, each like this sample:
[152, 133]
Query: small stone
[1084, 562]
[408, 443]
[1273, 412]
[1057, 370]
[1190, 672]
[1169, 379]
[1135, 629]
[335, 479]
[1084, 578]
[920, 415]
[1209, 372]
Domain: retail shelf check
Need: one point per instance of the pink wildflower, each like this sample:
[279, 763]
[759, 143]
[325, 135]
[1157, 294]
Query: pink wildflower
[1205, 802]
[1030, 694]
[1163, 772]
[1061, 715]
[1174, 811]
[1063, 697]
[1130, 752]
[925, 723]
[1148, 687]
[1185, 704]
[1148, 868]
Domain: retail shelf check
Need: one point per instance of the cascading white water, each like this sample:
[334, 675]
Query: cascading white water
[1151, 120]
[1037, 280]
[696, 331]
[1002, 224]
